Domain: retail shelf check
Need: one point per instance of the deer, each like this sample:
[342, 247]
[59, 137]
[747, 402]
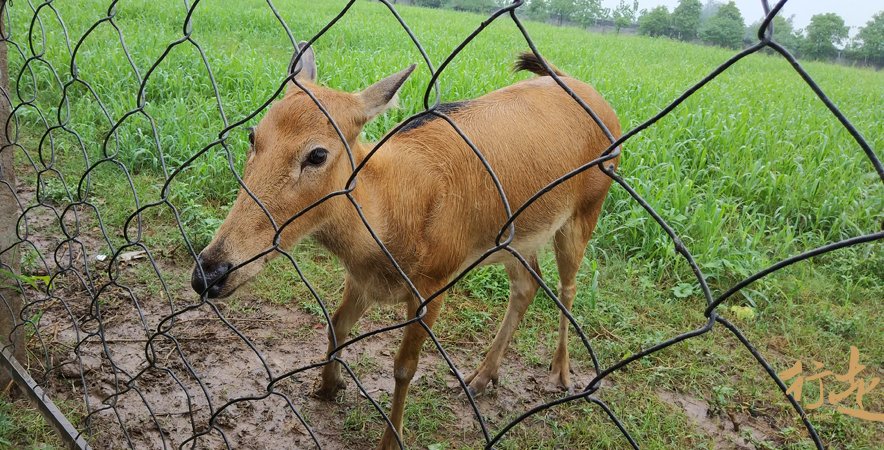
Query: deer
[427, 197]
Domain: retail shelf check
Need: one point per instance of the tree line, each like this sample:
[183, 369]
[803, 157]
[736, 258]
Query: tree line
[826, 37]
[718, 23]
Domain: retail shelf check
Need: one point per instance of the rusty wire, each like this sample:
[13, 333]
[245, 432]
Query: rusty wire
[71, 258]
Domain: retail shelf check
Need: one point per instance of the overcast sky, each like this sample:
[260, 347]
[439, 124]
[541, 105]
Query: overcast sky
[855, 12]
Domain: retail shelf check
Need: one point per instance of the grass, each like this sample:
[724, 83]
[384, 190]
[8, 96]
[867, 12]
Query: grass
[749, 170]
[22, 426]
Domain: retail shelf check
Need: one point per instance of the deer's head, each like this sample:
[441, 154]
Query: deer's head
[296, 158]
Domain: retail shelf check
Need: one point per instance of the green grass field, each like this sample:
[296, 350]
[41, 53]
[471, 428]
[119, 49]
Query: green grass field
[750, 170]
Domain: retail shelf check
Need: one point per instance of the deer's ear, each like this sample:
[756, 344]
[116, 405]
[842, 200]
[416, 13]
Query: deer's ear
[380, 96]
[306, 66]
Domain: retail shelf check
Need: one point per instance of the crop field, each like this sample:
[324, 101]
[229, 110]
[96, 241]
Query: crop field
[750, 170]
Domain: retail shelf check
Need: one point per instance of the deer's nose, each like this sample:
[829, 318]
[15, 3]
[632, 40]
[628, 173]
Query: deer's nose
[212, 276]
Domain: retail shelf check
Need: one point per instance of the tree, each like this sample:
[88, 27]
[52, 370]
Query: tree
[624, 14]
[871, 41]
[562, 9]
[654, 22]
[538, 10]
[824, 33]
[725, 28]
[430, 3]
[588, 12]
[685, 19]
[709, 10]
[784, 33]
[479, 6]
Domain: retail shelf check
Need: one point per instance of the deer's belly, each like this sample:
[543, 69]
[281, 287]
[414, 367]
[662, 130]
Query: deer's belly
[526, 243]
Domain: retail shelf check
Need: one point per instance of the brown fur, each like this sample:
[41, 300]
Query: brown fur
[430, 201]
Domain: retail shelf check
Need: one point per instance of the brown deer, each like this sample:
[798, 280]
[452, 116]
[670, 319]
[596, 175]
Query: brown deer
[428, 198]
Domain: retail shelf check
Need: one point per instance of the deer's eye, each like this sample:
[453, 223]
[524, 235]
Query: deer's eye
[316, 157]
[252, 136]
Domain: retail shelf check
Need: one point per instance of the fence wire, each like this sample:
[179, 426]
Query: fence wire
[74, 287]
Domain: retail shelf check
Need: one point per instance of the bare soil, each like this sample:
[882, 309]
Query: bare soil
[738, 431]
[204, 346]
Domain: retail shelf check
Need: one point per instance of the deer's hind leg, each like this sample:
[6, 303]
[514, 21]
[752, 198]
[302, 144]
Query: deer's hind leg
[523, 287]
[570, 246]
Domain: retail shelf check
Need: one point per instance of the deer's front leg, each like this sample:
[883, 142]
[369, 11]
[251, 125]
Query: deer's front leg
[352, 307]
[405, 365]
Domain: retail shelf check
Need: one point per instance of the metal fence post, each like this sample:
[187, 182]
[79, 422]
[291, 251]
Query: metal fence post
[10, 297]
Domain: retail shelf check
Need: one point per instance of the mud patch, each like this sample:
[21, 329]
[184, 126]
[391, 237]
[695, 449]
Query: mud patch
[728, 431]
[205, 377]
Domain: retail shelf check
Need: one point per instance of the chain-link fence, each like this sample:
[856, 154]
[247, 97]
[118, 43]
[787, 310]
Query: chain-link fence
[153, 368]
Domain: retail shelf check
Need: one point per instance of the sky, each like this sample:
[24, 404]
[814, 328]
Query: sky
[855, 12]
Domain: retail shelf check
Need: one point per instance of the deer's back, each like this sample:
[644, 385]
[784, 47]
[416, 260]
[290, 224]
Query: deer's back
[530, 134]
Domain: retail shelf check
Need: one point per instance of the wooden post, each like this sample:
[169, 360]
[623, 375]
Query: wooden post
[10, 297]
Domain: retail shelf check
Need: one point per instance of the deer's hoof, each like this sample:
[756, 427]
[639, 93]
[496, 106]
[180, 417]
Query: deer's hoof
[329, 391]
[559, 381]
[477, 383]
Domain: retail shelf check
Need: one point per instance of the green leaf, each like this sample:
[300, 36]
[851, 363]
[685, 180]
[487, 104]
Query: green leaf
[746, 313]
[683, 290]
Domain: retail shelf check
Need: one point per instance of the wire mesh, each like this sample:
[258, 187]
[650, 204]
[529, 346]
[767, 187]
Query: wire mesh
[82, 293]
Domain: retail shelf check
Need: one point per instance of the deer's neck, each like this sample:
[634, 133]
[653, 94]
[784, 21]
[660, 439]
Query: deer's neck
[345, 233]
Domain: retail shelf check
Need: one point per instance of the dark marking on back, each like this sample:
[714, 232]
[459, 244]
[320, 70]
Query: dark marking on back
[444, 108]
